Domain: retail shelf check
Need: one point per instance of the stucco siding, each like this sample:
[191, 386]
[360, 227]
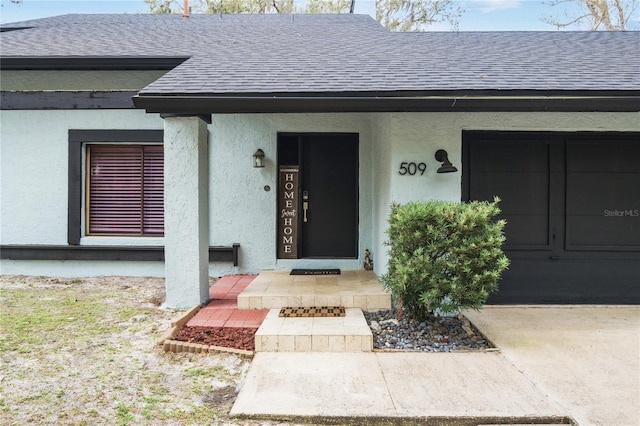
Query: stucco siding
[34, 176]
[382, 164]
[243, 211]
[416, 136]
[186, 218]
[77, 80]
[34, 150]
[70, 269]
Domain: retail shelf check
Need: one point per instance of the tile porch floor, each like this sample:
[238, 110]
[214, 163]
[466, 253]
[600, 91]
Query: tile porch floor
[254, 302]
[351, 289]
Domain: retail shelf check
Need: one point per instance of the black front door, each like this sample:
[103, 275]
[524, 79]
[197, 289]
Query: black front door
[327, 192]
[572, 206]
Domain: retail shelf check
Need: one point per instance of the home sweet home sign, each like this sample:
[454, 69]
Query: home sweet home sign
[288, 212]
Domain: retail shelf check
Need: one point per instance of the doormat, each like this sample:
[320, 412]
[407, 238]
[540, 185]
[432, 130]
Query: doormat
[312, 311]
[315, 272]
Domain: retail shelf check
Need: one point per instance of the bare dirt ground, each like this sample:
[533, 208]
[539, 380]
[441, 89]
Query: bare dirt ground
[83, 352]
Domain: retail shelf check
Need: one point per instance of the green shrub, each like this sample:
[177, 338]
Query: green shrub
[444, 256]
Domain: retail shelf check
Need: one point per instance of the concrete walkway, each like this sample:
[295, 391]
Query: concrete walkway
[554, 364]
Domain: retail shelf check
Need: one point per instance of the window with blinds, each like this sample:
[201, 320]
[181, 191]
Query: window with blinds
[125, 190]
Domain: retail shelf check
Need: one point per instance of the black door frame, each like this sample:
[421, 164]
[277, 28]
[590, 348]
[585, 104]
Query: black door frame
[356, 225]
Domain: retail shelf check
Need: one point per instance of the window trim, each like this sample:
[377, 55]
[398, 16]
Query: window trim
[75, 168]
[117, 253]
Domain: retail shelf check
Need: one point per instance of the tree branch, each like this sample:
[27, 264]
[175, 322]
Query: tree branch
[599, 13]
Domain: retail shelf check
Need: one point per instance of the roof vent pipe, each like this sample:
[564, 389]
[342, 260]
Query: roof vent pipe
[353, 6]
[185, 14]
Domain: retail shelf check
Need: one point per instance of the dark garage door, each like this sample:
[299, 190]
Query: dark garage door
[572, 206]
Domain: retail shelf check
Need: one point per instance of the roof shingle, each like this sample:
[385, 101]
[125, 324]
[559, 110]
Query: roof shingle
[261, 54]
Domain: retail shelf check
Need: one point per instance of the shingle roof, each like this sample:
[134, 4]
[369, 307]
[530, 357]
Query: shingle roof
[263, 54]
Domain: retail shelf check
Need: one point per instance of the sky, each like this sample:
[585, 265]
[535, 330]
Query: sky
[479, 15]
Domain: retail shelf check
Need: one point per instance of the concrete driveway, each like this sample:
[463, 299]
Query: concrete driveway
[554, 364]
[584, 358]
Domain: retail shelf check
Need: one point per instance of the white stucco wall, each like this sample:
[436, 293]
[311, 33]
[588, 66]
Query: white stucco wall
[416, 137]
[246, 214]
[33, 186]
[381, 125]
[34, 176]
[243, 212]
[186, 218]
[34, 151]
[77, 80]
[78, 268]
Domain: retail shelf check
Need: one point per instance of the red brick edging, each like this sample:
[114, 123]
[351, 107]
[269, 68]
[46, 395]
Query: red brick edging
[178, 346]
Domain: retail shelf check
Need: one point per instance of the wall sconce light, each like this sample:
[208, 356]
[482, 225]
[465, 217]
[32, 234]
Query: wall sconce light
[443, 157]
[258, 159]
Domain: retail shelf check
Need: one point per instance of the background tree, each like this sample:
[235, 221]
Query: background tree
[416, 15]
[610, 15]
[327, 6]
[222, 6]
[397, 15]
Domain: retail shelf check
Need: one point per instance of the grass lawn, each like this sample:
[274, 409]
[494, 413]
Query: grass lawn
[82, 352]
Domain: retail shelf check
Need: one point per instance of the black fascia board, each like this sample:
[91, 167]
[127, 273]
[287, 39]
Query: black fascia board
[441, 101]
[82, 63]
[7, 29]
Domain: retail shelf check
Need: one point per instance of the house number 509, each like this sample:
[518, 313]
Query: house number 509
[412, 168]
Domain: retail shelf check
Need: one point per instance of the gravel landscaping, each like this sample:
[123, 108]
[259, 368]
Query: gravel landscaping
[434, 334]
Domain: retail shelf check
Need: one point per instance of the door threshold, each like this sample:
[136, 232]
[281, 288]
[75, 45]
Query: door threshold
[322, 271]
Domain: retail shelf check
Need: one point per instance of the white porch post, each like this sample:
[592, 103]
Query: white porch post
[186, 212]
